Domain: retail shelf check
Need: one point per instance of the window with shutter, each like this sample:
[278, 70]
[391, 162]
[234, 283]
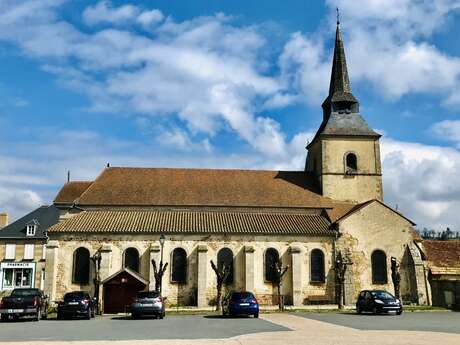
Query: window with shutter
[28, 252]
[10, 251]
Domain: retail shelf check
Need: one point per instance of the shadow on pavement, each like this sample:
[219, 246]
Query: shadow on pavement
[129, 318]
[226, 317]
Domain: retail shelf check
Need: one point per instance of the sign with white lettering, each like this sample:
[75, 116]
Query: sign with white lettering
[18, 265]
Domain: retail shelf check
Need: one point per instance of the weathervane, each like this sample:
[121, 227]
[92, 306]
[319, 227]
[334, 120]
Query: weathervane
[338, 15]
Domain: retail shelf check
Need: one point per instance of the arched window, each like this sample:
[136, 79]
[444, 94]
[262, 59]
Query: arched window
[131, 259]
[179, 266]
[271, 258]
[317, 266]
[81, 266]
[379, 267]
[225, 257]
[351, 162]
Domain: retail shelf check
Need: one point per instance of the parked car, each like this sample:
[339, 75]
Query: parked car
[377, 302]
[148, 303]
[24, 302]
[240, 303]
[76, 303]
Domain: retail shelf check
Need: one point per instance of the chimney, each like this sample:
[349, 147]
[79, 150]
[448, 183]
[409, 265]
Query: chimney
[3, 220]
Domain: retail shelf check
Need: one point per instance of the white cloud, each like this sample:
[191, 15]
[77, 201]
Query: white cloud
[17, 202]
[387, 44]
[103, 12]
[148, 18]
[421, 179]
[204, 71]
[214, 76]
[448, 130]
[306, 67]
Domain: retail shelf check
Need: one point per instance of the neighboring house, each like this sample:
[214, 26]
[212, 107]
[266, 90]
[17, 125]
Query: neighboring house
[244, 218]
[3, 220]
[442, 260]
[22, 249]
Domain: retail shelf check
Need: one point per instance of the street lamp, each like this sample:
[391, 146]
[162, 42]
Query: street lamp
[96, 259]
[162, 243]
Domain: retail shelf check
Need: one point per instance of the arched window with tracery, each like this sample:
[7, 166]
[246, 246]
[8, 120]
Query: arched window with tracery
[81, 266]
[351, 162]
[317, 266]
[271, 258]
[225, 257]
[379, 267]
[179, 266]
[131, 259]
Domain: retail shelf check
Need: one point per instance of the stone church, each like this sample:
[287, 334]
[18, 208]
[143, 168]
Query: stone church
[245, 218]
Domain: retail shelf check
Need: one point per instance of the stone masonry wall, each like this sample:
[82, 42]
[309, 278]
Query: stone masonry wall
[377, 227]
[187, 294]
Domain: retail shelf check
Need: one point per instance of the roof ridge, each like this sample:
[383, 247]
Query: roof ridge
[200, 169]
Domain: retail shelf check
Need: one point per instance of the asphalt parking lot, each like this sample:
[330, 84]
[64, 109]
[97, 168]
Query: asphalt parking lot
[446, 322]
[122, 328]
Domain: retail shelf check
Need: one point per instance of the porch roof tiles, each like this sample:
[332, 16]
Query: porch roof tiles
[195, 222]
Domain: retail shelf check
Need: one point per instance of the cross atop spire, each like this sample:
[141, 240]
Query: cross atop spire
[340, 96]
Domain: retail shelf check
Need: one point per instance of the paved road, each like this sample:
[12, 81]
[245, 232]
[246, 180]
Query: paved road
[448, 322]
[120, 328]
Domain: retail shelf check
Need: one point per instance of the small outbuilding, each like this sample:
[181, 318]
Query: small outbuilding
[443, 264]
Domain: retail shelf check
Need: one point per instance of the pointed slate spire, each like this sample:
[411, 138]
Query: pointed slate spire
[341, 115]
[340, 96]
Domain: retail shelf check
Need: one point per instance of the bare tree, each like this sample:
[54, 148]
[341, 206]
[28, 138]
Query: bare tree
[340, 269]
[278, 272]
[158, 273]
[221, 276]
[395, 276]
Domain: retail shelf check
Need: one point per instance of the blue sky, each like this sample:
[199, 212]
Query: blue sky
[228, 84]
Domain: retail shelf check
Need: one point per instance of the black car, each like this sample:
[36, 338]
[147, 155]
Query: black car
[76, 303]
[148, 303]
[377, 302]
[24, 302]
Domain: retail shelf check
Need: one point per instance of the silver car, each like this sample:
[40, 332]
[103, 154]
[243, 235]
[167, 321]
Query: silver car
[148, 303]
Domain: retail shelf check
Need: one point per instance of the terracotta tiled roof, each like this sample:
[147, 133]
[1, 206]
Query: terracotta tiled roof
[358, 207]
[443, 256]
[202, 187]
[195, 222]
[71, 191]
[339, 209]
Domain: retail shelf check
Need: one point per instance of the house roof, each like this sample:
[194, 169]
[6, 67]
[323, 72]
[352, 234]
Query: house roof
[202, 187]
[71, 191]
[43, 217]
[443, 257]
[129, 271]
[344, 124]
[128, 221]
[339, 209]
[358, 207]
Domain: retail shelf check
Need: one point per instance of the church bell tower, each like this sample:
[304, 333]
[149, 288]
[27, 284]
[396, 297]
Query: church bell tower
[344, 155]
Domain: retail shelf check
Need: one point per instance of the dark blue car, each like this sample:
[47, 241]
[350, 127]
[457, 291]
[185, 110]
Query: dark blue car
[240, 303]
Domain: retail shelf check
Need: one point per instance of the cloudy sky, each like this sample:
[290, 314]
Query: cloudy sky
[228, 84]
